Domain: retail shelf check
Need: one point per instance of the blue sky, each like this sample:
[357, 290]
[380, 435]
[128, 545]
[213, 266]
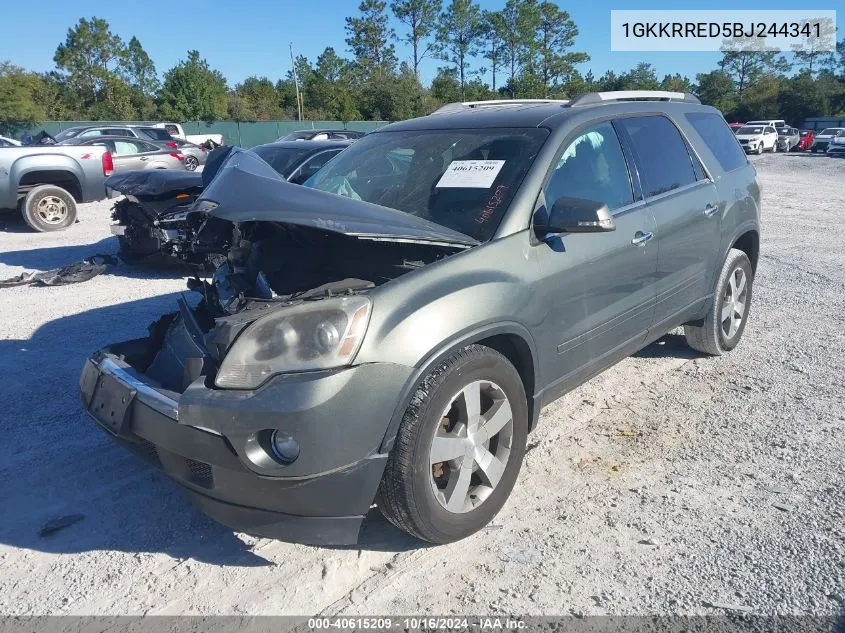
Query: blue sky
[251, 37]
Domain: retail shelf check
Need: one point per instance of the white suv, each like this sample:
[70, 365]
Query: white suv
[758, 138]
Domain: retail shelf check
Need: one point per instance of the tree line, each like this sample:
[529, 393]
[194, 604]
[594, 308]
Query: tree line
[525, 50]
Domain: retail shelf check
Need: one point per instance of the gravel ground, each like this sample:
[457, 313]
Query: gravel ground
[671, 484]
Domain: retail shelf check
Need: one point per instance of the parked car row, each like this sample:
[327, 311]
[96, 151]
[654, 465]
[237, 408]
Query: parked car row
[776, 136]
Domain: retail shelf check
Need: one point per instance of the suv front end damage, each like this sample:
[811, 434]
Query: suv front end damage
[250, 398]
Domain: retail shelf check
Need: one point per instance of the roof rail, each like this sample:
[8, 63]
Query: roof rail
[591, 98]
[471, 105]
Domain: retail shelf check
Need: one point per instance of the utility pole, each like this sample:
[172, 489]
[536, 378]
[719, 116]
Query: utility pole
[299, 102]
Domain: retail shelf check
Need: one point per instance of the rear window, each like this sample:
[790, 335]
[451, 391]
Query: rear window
[662, 155]
[155, 133]
[719, 139]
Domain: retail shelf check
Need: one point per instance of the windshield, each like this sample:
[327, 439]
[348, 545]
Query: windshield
[71, 132]
[786, 131]
[830, 131]
[750, 129]
[461, 179]
[283, 159]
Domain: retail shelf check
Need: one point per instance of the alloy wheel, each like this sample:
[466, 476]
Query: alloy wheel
[734, 302]
[471, 446]
[51, 209]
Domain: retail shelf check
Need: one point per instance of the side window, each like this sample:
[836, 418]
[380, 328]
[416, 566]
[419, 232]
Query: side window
[661, 154]
[146, 147]
[592, 167]
[90, 133]
[719, 139]
[123, 148]
[118, 132]
[172, 130]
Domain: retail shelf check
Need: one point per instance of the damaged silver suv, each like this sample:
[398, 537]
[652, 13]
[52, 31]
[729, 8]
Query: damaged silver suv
[389, 332]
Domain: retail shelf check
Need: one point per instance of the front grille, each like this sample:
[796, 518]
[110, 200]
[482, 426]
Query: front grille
[199, 473]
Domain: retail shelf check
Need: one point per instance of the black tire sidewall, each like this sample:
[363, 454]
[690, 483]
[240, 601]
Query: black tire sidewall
[447, 525]
[736, 259]
[31, 201]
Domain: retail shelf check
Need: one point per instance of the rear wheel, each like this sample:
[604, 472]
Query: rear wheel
[725, 322]
[459, 448]
[49, 208]
[191, 163]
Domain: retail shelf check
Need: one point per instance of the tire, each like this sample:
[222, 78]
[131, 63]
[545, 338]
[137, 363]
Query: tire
[48, 208]
[774, 148]
[760, 149]
[191, 163]
[716, 336]
[414, 493]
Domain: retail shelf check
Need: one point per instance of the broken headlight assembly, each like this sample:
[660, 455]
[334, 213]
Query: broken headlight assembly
[314, 335]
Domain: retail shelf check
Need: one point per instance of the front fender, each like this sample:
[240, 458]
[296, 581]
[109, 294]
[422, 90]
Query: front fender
[424, 316]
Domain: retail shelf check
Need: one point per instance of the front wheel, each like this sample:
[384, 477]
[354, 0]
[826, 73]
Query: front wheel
[723, 326]
[458, 449]
[760, 148]
[774, 148]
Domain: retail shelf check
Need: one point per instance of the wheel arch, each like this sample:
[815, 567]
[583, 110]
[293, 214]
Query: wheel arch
[61, 178]
[749, 243]
[512, 340]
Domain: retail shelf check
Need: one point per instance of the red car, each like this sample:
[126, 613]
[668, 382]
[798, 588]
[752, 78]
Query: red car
[735, 126]
[806, 142]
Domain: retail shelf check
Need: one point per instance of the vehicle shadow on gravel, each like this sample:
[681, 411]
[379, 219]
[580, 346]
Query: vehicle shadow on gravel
[56, 257]
[70, 489]
[668, 346]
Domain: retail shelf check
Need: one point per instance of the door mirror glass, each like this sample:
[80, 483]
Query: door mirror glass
[574, 215]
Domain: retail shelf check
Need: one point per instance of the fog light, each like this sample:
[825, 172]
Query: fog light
[284, 447]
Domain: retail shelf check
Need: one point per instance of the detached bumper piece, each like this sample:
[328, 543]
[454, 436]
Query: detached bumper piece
[321, 509]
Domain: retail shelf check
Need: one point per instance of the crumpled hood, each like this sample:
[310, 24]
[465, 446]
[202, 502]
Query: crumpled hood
[153, 182]
[247, 189]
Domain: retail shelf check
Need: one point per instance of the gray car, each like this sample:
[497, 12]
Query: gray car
[145, 132]
[389, 332]
[134, 153]
[788, 138]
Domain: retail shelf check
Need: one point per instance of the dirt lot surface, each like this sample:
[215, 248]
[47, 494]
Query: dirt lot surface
[669, 484]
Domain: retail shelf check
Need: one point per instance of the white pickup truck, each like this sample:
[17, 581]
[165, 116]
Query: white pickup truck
[176, 131]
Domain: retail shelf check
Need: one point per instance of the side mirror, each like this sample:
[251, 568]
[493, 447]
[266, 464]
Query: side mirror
[575, 215]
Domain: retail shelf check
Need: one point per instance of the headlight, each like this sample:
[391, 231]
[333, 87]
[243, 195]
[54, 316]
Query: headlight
[316, 335]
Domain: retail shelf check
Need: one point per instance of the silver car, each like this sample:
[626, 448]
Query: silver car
[788, 138]
[134, 153]
[194, 154]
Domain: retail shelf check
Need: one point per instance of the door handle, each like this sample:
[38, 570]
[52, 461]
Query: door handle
[710, 209]
[641, 238]
[144, 158]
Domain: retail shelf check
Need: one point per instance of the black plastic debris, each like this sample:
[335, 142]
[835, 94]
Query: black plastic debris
[75, 273]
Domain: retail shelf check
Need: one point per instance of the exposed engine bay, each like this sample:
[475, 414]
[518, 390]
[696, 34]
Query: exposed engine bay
[270, 267]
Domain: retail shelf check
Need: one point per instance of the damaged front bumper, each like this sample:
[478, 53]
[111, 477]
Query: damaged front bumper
[210, 442]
